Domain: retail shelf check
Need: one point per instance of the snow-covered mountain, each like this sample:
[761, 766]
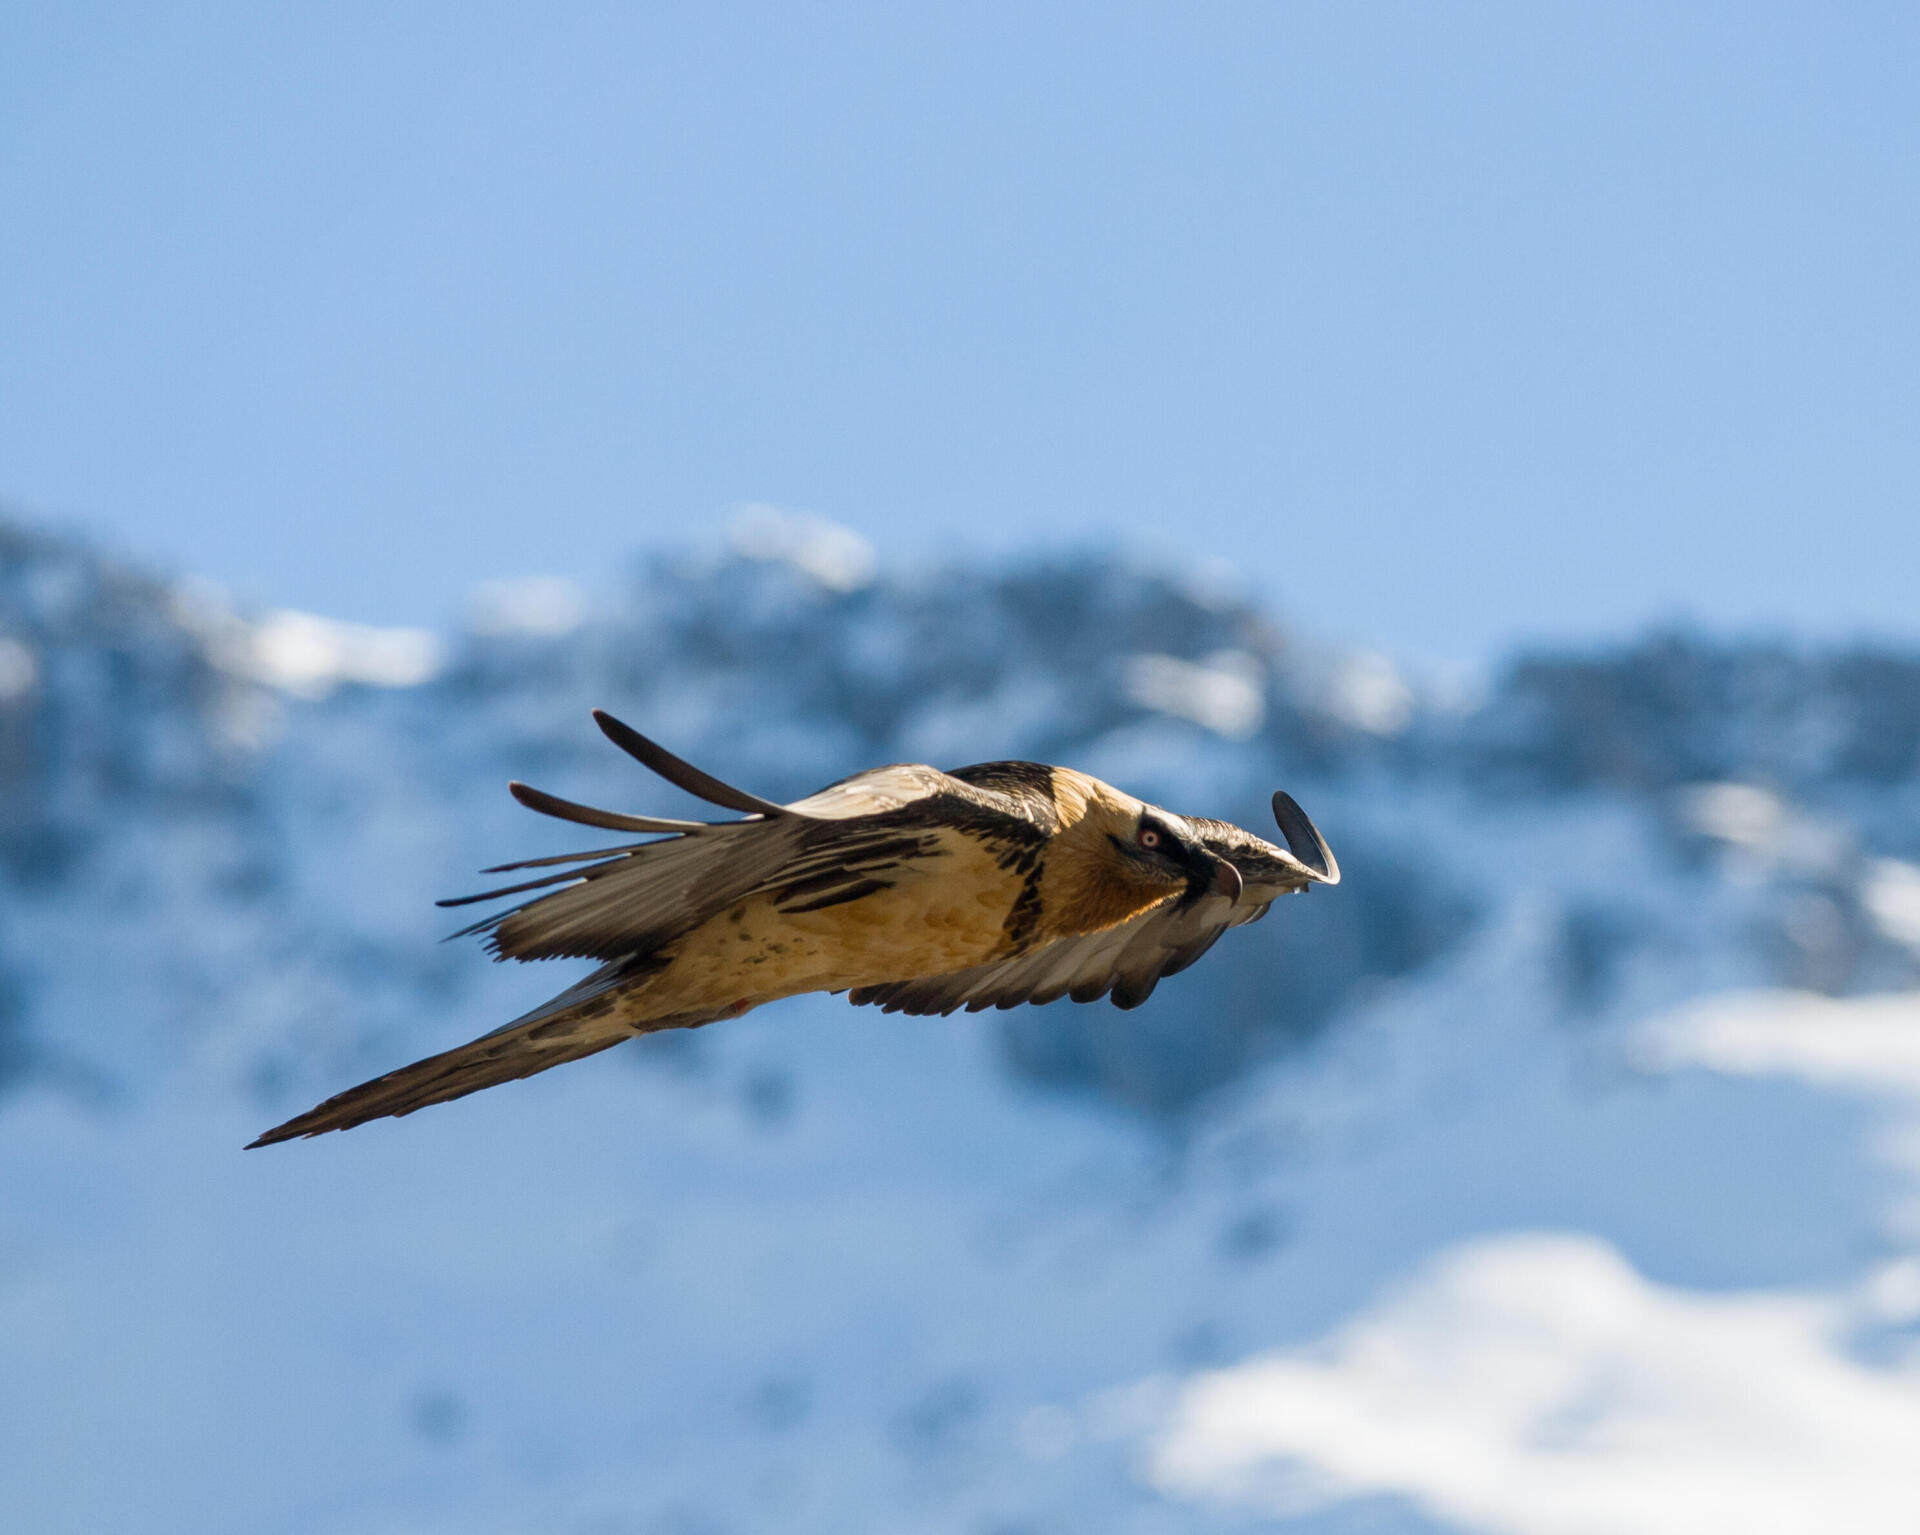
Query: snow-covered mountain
[1268, 1249]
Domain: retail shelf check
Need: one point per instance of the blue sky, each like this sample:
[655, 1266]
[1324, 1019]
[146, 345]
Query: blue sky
[1443, 326]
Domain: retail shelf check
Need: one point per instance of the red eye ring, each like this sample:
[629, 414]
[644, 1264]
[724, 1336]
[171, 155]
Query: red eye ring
[1149, 837]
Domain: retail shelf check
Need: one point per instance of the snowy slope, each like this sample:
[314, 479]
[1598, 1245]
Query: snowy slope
[1431, 1203]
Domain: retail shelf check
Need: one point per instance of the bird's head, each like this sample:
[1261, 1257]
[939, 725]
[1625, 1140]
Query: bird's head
[1267, 871]
[1117, 855]
[1162, 849]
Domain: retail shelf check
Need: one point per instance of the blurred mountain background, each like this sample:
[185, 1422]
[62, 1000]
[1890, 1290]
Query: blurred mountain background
[825, 1269]
[1492, 424]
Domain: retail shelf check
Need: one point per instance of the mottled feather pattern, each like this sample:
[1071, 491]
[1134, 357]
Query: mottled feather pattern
[908, 888]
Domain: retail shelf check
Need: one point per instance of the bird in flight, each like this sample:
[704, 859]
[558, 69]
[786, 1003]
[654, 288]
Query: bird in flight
[910, 889]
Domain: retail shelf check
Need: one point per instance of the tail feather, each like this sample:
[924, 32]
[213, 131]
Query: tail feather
[453, 1074]
[579, 1022]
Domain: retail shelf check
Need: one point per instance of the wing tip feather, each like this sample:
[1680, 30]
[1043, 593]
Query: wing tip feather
[681, 773]
[1304, 839]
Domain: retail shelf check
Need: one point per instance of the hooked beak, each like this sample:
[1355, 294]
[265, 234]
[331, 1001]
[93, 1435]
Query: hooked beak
[1226, 879]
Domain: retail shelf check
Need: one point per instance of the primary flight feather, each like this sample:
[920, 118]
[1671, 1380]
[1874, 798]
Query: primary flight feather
[912, 889]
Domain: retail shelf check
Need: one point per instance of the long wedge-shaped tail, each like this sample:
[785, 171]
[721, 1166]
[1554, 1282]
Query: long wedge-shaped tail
[574, 1024]
[581, 1021]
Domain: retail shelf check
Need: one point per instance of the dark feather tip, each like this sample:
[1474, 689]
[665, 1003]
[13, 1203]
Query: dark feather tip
[587, 815]
[1304, 839]
[681, 773]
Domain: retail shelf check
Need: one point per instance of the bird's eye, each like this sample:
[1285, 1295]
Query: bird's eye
[1150, 837]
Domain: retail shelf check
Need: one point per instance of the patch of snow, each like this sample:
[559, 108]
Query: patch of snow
[1535, 1384]
[833, 555]
[1863, 1044]
[1539, 1383]
[19, 671]
[1369, 694]
[537, 605]
[1224, 693]
[1761, 826]
[1214, 582]
[1453, 687]
[1891, 895]
[309, 656]
[1742, 814]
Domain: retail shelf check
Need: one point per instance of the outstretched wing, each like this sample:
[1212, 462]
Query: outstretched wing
[1129, 959]
[849, 840]
[622, 903]
[1126, 960]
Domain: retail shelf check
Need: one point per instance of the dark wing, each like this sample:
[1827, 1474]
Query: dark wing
[1309, 847]
[849, 840]
[1127, 960]
[622, 903]
[636, 901]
